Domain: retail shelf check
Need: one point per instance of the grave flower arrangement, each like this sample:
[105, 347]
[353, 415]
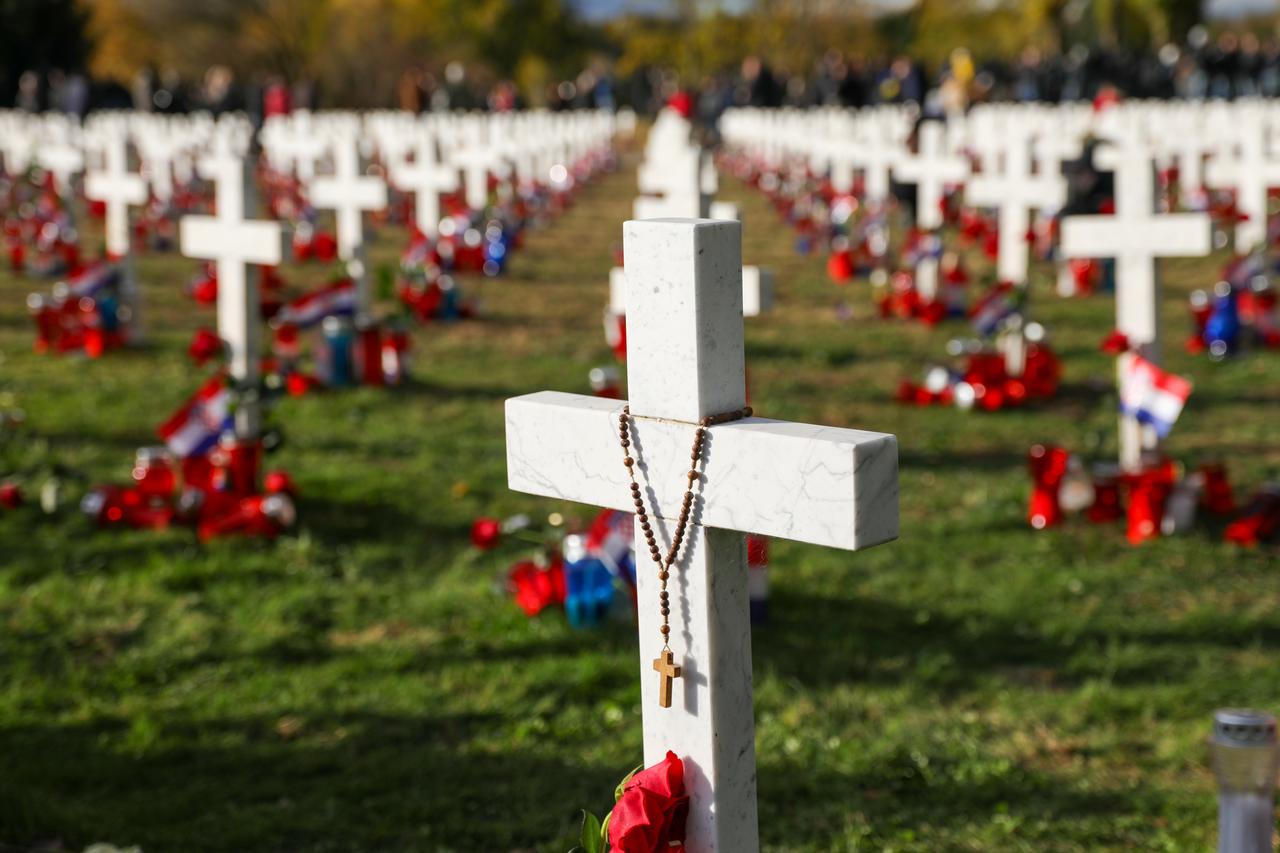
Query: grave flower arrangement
[1241, 310]
[1157, 496]
[91, 312]
[584, 571]
[1009, 364]
[205, 475]
[649, 813]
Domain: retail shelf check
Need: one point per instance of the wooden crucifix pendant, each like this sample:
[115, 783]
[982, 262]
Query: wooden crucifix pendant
[668, 672]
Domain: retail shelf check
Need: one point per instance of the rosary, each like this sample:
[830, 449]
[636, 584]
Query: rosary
[664, 664]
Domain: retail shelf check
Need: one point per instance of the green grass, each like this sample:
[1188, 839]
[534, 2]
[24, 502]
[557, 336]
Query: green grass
[362, 685]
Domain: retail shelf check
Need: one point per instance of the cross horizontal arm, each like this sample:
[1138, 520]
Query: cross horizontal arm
[824, 485]
[216, 239]
[1176, 235]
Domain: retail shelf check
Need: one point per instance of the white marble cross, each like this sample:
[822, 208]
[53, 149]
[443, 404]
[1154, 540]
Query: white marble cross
[757, 291]
[63, 159]
[118, 188]
[1015, 191]
[1136, 237]
[475, 159]
[877, 157]
[348, 193]
[426, 177]
[1251, 173]
[234, 243]
[824, 485]
[931, 169]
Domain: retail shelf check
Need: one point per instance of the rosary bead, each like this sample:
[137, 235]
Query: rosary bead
[626, 443]
[693, 475]
[663, 595]
[628, 461]
[663, 575]
[666, 630]
[665, 610]
[635, 487]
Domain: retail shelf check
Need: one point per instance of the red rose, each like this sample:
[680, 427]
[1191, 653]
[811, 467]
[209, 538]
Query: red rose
[278, 482]
[205, 345]
[650, 815]
[10, 495]
[485, 533]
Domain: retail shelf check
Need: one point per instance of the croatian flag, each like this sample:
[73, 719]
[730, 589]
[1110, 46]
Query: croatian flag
[1151, 395]
[992, 310]
[336, 299]
[90, 281]
[195, 428]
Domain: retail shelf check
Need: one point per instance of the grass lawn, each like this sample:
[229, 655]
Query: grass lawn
[363, 685]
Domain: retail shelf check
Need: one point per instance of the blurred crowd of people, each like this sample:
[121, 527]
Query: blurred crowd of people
[1229, 66]
[218, 91]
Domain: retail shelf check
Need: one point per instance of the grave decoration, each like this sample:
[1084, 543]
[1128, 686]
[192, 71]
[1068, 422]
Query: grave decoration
[1154, 496]
[40, 237]
[202, 476]
[651, 808]
[348, 347]
[1008, 364]
[1161, 499]
[686, 382]
[586, 572]
[1240, 312]
[427, 291]
[90, 313]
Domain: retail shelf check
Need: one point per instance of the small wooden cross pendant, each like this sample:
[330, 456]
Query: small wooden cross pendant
[668, 672]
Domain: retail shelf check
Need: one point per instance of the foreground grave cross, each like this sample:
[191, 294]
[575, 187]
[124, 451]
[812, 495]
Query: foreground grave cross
[824, 485]
[349, 194]
[1136, 238]
[117, 188]
[233, 242]
[1015, 191]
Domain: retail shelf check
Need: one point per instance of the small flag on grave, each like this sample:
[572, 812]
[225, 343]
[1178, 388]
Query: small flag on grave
[195, 428]
[1151, 395]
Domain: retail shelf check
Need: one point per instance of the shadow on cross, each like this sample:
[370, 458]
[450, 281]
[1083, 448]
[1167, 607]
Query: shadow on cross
[823, 641]
[332, 781]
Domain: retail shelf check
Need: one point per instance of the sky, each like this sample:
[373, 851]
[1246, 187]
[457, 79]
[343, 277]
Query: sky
[603, 10]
